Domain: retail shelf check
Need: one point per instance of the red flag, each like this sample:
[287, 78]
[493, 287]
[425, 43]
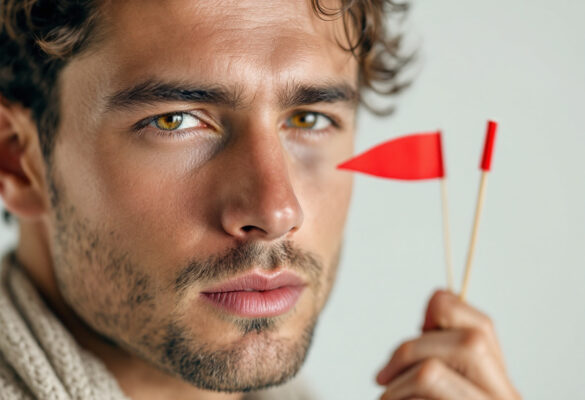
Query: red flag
[412, 157]
[488, 149]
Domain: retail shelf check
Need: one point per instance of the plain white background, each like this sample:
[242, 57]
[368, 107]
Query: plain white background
[521, 63]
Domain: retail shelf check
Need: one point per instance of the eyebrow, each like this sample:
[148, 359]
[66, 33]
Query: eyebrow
[152, 91]
[298, 94]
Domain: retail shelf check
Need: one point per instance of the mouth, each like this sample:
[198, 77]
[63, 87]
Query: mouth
[257, 294]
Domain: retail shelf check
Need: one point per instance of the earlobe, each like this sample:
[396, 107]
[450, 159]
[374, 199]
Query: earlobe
[21, 181]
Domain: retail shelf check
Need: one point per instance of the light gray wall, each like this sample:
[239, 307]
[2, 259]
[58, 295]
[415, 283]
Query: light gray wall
[522, 63]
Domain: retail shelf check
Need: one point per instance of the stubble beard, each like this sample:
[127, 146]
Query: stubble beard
[229, 370]
[169, 346]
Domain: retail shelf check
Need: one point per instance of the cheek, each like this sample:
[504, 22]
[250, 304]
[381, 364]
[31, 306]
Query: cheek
[323, 191]
[325, 200]
[98, 279]
[139, 218]
[143, 194]
[332, 203]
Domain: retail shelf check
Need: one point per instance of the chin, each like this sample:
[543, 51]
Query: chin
[263, 357]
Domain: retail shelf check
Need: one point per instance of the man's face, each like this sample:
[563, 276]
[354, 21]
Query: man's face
[198, 213]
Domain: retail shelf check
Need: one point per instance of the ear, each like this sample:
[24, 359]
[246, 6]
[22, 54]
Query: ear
[22, 170]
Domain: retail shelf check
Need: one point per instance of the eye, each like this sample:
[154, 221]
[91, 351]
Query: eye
[176, 121]
[309, 120]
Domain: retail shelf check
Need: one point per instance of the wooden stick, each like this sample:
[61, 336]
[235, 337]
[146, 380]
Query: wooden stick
[447, 235]
[472, 244]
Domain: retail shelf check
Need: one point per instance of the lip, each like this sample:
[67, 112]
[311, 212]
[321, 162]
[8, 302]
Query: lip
[257, 294]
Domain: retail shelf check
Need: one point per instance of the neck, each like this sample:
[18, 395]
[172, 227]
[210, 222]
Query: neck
[137, 378]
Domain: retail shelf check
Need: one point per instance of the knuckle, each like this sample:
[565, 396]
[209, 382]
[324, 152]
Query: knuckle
[438, 299]
[487, 324]
[404, 352]
[474, 341]
[442, 307]
[429, 372]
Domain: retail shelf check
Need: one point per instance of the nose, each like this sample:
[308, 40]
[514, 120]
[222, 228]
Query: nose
[259, 201]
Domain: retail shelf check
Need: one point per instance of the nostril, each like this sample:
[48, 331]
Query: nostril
[252, 230]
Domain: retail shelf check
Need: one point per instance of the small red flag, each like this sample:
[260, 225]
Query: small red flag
[488, 149]
[412, 157]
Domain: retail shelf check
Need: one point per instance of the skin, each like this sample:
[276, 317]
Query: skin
[126, 210]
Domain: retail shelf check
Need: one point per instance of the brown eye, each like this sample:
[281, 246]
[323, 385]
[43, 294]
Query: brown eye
[308, 120]
[304, 120]
[169, 122]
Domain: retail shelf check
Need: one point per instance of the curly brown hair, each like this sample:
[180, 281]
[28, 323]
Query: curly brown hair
[39, 37]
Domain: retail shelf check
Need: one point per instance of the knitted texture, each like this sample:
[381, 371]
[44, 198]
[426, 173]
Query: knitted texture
[39, 359]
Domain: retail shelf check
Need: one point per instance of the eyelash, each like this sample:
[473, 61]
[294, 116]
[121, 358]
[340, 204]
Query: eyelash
[333, 122]
[140, 127]
[311, 136]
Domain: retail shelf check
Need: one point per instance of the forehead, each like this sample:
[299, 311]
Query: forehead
[252, 43]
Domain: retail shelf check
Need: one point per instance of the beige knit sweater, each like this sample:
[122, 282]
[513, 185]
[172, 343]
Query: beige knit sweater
[39, 359]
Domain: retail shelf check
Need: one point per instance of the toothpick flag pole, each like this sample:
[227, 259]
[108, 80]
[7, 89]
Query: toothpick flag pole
[446, 229]
[485, 167]
[447, 236]
[412, 157]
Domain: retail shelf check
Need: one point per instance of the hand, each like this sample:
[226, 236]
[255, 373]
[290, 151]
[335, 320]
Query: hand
[456, 357]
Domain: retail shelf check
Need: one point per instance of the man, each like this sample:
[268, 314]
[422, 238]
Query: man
[171, 165]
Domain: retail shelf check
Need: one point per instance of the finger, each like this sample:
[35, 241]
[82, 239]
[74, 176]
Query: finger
[446, 311]
[465, 351]
[444, 345]
[432, 380]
